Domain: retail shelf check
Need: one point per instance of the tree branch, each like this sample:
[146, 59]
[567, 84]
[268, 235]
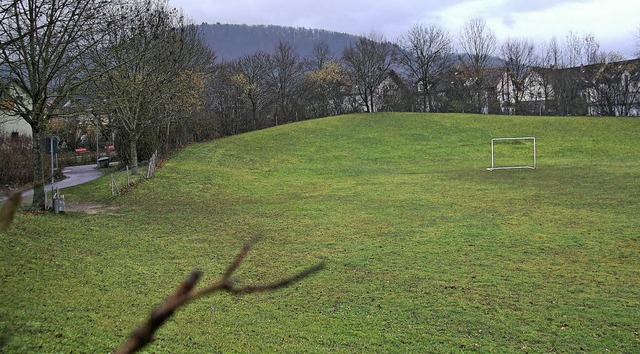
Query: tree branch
[8, 210]
[10, 207]
[185, 293]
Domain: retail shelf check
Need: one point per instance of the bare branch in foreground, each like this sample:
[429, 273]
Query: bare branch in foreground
[10, 207]
[8, 210]
[185, 293]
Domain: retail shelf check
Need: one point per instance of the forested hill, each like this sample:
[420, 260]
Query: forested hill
[233, 41]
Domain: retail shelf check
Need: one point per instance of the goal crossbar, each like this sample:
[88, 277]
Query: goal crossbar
[493, 165]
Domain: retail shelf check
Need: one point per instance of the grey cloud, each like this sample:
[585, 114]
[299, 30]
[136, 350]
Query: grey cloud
[535, 5]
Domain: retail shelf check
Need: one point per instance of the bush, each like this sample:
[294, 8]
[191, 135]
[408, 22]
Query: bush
[16, 161]
[72, 158]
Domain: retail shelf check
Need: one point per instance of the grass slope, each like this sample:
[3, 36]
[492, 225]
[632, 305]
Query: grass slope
[426, 251]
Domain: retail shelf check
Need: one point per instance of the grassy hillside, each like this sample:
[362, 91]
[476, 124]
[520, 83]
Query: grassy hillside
[426, 251]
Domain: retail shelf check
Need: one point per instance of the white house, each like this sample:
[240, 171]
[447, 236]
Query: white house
[385, 96]
[611, 89]
[614, 88]
[531, 92]
[11, 123]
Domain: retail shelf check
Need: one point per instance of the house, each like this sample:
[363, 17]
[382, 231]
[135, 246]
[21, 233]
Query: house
[388, 96]
[611, 89]
[527, 94]
[435, 96]
[10, 122]
[474, 90]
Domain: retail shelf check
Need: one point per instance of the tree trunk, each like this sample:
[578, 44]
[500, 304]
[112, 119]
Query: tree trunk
[479, 96]
[254, 116]
[167, 146]
[425, 104]
[38, 170]
[133, 151]
[368, 100]
[429, 98]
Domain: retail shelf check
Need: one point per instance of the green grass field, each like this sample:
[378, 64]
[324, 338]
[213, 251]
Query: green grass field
[426, 251]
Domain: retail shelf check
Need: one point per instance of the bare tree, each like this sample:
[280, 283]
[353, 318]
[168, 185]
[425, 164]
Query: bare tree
[574, 50]
[551, 54]
[592, 50]
[367, 63]
[611, 57]
[223, 100]
[148, 53]
[478, 44]
[321, 55]
[5, 12]
[250, 78]
[550, 58]
[564, 75]
[186, 106]
[611, 90]
[426, 52]
[581, 49]
[4, 8]
[323, 80]
[326, 94]
[285, 82]
[519, 57]
[44, 46]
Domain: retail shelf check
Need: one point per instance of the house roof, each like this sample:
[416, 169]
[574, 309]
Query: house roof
[594, 70]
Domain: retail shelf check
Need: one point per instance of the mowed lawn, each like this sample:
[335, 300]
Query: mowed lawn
[425, 250]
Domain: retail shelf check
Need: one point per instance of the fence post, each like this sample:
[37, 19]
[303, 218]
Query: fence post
[152, 164]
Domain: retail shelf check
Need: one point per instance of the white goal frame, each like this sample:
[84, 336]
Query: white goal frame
[493, 165]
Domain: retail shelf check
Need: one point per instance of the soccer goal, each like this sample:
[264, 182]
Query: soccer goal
[513, 153]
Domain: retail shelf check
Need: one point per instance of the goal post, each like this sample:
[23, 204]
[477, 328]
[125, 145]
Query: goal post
[517, 166]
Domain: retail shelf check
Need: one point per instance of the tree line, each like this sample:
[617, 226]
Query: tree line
[142, 70]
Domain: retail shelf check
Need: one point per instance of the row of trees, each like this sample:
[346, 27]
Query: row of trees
[265, 89]
[472, 74]
[439, 73]
[43, 45]
[134, 66]
[141, 69]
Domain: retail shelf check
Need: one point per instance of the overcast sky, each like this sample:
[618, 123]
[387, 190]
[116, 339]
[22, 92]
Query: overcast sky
[612, 22]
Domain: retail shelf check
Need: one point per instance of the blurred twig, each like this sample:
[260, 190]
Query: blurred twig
[10, 207]
[185, 293]
[8, 210]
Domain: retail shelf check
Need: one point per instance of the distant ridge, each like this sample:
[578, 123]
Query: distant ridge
[230, 41]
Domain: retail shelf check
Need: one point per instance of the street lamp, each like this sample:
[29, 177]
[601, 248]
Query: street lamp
[90, 111]
[97, 146]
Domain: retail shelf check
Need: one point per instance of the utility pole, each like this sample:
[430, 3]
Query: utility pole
[97, 146]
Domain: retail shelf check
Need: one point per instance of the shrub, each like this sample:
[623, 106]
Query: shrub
[16, 161]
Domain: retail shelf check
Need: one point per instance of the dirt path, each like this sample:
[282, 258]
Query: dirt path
[90, 208]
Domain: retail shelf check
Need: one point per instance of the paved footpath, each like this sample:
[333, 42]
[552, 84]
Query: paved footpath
[75, 175]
